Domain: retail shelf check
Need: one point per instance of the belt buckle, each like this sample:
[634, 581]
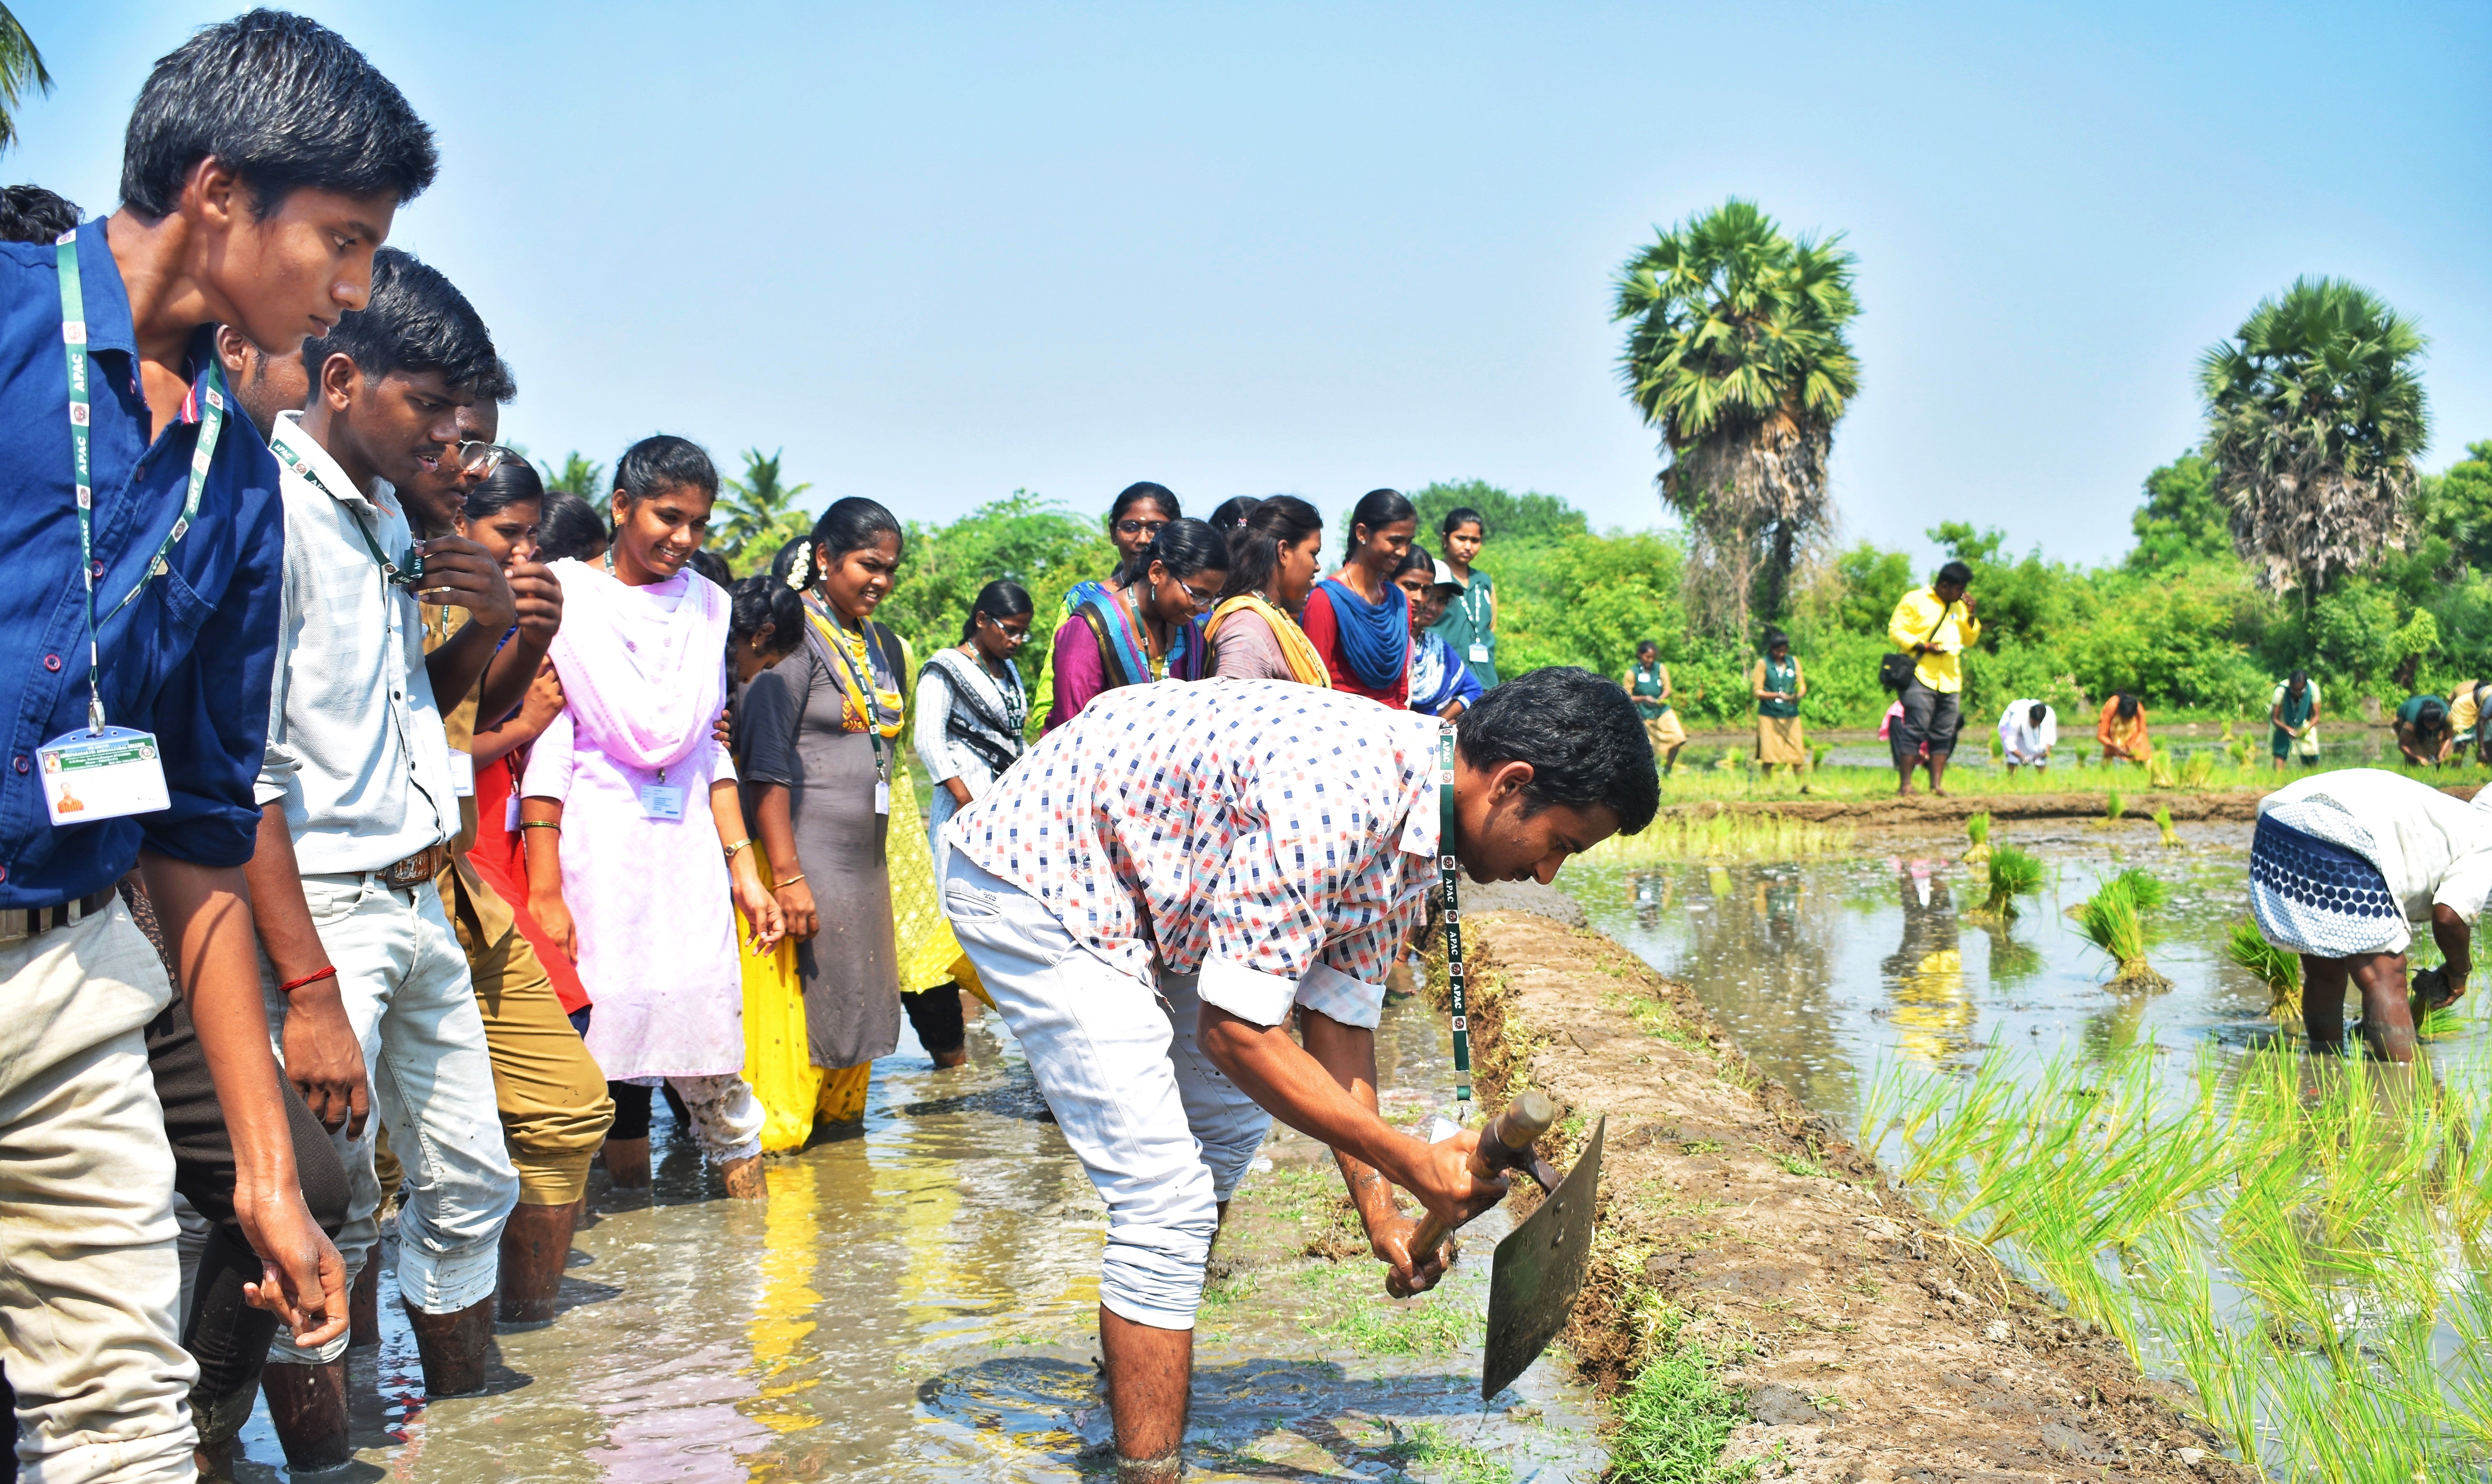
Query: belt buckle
[409, 871]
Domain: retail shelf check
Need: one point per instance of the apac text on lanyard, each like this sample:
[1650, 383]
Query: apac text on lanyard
[1448, 868]
[106, 772]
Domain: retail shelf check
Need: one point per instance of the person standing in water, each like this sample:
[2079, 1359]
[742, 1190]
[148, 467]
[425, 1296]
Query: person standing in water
[1274, 555]
[1470, 624]
[637, 856]
[1777, 684]
[1648, 683]
[1356, 618]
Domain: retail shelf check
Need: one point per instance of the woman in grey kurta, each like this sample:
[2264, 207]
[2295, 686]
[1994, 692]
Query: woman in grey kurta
[791, 730]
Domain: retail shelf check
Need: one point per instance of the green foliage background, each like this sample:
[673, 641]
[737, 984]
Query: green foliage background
[2178, 618]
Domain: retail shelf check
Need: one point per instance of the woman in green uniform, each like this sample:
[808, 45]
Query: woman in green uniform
[1648, 681]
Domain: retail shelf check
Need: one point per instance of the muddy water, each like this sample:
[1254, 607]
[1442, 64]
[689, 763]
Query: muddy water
[917, 1302]
[1824, 969]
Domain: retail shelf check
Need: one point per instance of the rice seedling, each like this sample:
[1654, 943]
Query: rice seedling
[2163, 823]
[2228, 730]
[2108, 920]
[1976, 828]
[1817, 756]
[1731, 758]
[2280, 971]
[2199, 770]
[2114, 806]
[2013, 874]
[1726, 834]
[2158, 771]
[2145, 888]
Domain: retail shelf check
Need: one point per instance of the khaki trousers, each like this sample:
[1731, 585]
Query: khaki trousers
[88, 1277]
[548, 1090]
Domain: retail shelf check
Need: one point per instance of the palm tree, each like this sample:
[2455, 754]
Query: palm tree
[2314, 416]
[22, 67]
[762, 514]
[1737, 353]
[579, 476]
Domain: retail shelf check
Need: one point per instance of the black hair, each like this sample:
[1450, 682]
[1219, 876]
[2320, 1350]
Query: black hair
[2298, 677]
[760, 600]
[1582, 735]
[662, 460]
[569, 526]
[998, 600]
[2034, 713]
[1232, 513]
[414, 321]
[1643, 644]
[1376, 510]
[796, 548]
[1416, 559]
[711, 565]
[1458, 517]
[512, 482]
[33, 214]
[1135, 493]
[854, 523]
[1184, 546]
[284, 101]
[2125, 703]
[1254, 546]
[1776, 638]
[1955, 573]
[2432, 712]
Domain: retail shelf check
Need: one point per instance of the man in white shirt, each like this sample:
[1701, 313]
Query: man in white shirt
[365, 976]
[2341, 865]
[2027, 731]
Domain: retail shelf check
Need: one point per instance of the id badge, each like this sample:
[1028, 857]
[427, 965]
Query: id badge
[882, 796]
[510, 815]
[662, 801]
[1479, 654]
[105, 775]
[463, 773]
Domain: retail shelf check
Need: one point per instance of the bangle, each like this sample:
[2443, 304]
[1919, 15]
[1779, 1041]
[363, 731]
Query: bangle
[791, 882]
[291, 984]
[554, 825]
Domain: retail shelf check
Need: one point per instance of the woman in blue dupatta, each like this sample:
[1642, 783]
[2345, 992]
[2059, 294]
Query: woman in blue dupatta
[1441, 684]
[1359, 621]
[1148, 628]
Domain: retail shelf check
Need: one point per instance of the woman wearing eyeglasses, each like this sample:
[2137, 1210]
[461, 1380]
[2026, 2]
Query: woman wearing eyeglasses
[1147, 626]
[972, 708]
[1140, 512]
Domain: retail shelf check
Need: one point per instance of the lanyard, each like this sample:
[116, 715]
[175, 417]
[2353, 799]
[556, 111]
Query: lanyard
[1457, 993]
[211, 422]
[866, 704]
[1471, 600]
[389, 570]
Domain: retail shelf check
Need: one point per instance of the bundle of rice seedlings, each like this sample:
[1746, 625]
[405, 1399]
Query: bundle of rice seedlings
[2280, 971]
[2158, 771]
[2198, 770]
[1976, 828]
[2114, 806]
[2163, 822]
[2108, 920]
[2228, 730]
[2013, 874]
[1817, 756]
[2144, 888]
[1731, 758]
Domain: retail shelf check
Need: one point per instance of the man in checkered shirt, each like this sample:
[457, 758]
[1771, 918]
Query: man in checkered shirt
[1159, 887]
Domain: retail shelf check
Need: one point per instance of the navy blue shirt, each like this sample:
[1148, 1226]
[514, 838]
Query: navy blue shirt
[192, 659]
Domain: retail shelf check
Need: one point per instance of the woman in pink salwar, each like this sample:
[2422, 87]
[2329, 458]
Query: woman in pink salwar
[633, 829]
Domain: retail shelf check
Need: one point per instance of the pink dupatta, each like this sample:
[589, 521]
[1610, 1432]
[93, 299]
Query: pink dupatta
[643, 684]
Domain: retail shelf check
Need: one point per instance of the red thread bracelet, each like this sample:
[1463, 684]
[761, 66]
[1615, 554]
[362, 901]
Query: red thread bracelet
[290, 985]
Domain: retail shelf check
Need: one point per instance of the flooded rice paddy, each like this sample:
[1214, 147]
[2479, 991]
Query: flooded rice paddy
[918, 1302]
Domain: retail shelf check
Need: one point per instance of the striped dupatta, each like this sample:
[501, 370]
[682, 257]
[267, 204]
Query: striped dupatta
[1111, 618]
[1306, 665]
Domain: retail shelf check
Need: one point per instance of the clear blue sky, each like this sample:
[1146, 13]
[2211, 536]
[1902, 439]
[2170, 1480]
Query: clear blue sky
[938, 252]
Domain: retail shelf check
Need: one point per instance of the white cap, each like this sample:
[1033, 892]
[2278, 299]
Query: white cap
[1445, 576]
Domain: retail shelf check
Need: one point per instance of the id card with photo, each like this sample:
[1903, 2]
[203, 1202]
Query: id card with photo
[662, 801]
[105, 775]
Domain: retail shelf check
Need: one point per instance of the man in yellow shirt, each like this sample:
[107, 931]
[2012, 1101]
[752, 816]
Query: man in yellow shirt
[1934, 624]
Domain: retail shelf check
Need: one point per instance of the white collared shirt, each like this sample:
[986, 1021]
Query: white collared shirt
[2021, 739]
[356, 750]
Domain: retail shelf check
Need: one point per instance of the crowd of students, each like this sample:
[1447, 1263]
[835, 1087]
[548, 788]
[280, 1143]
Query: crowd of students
[385, 830]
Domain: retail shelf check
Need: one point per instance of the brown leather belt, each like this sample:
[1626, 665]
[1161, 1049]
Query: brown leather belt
[417, 869]
[20, 923]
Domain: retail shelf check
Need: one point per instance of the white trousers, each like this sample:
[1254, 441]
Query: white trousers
[1165, 1135]
[403, 979]
[88, 1279]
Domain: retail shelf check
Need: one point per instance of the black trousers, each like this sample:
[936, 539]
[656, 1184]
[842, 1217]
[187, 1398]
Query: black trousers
[1929, 716]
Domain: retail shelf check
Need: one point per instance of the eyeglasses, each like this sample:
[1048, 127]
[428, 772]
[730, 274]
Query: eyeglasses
[1140, 527]
[1201, 600]
[475, 459]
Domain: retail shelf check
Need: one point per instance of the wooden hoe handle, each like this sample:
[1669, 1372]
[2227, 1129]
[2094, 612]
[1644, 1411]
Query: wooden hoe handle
[1505, 1144]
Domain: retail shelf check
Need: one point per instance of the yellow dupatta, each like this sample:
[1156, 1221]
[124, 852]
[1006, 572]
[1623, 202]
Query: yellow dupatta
[1306, 666]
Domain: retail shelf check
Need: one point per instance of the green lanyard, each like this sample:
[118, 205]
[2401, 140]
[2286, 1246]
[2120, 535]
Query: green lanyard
[211, 422]
[391, 573]
[1457, 993]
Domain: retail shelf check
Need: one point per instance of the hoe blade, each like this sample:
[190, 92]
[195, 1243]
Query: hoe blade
[1539, 1268]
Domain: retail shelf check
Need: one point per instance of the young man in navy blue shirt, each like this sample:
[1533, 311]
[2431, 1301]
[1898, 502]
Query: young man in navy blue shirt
[263, 165]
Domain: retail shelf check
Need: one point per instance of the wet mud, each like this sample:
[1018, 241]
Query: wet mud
[1869, 1345]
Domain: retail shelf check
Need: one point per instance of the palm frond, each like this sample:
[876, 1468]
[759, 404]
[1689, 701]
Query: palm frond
[21, 68]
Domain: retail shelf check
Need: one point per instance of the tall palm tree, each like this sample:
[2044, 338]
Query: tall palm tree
[1736, 352]
[22, 67]
[762, 514]
[580, 477]
[2314, 416]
